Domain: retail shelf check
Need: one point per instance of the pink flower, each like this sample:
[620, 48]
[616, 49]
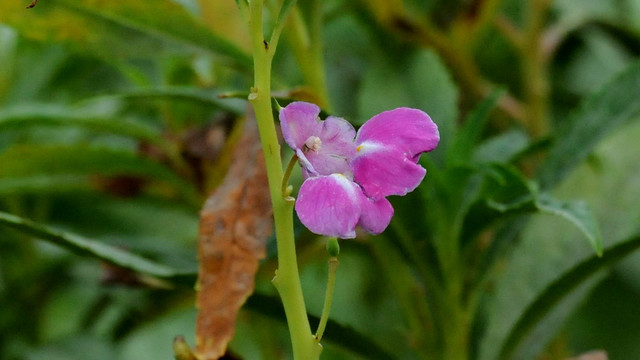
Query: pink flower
[347, 175]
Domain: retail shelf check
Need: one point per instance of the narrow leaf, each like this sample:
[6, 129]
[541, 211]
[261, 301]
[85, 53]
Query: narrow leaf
[40, 160]
[469, 134]
[55, 115]
[504, 187]
[42, 183]
[576, 212]
[178, 93]
[120, 27]
[234, 225]
[98, 250]
[562, 288]
[508, 193]
[602, 113]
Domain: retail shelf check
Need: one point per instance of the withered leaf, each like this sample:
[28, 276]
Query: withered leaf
[234, 225]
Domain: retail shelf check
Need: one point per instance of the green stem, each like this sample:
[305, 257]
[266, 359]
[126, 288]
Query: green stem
[331, 282]
[287, 278]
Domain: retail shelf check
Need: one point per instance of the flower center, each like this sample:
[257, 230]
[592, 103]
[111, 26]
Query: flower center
[313, 143]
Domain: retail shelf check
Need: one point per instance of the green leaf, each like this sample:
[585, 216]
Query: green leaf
[42, 183]
[179, 93]
[614, 106]
[508, 193]
[120, 27]
[506, 147]
[37, 161]
[98, 250]
[560, 289]
[470, 133]
[504, 188]
[576, 212]
[336, 333]
[55, 115]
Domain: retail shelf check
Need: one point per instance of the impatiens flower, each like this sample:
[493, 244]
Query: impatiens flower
[348, 175]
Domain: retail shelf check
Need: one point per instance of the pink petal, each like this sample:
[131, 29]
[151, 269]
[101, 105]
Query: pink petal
[337, 147]
[307, 167]
[298, 121]
[330, 205]
[384, 170]
[376, 215]
[409, 130]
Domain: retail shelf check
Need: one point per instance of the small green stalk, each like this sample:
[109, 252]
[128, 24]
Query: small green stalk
[286, 188]
[287, 278]
[333, 248]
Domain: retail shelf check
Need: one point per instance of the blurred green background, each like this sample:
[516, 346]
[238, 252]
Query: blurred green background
[111, 128]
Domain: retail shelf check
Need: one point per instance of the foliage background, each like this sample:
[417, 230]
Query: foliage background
[110, 127]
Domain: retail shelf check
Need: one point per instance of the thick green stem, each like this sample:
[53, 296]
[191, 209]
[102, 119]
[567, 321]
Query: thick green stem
[287, 279]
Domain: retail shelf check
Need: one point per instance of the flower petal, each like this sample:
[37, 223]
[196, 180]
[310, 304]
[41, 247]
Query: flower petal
[298, 121]
[384, 170]
[376, 215]
[409, 130]
[307, 167]
[336, 149]
[330, 205]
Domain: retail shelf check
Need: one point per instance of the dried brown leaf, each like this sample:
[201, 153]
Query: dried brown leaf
[234, 225]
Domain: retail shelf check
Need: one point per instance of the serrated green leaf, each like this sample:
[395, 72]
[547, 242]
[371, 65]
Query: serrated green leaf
[561, 288]
[98, 250]
[124, 28]
[469, 134]
[613, 106]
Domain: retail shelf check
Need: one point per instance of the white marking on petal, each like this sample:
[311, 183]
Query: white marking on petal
[367, 147]
[346, 184]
